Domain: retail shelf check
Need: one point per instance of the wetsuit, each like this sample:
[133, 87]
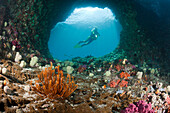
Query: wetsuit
[93, 36]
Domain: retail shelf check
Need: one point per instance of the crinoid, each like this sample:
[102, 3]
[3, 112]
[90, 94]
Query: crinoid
[53, 84]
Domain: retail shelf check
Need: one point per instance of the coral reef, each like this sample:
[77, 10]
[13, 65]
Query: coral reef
[93, 93]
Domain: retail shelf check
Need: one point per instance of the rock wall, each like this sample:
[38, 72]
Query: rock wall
[27, 25]
[157, 30]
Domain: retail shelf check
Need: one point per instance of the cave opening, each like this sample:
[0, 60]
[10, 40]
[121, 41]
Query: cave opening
[78, 27]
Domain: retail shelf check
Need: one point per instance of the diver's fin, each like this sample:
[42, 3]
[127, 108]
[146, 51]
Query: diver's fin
[77, 46]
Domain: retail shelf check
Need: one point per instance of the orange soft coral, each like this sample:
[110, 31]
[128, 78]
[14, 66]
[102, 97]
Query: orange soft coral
[118, 67]
[168, 100]
[123, 83]
[117, 83]
[54, 85]
[114, 83]
[124, 74]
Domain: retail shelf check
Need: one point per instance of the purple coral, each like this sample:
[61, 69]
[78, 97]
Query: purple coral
[15, 43]
[133, 107]
[140, 107]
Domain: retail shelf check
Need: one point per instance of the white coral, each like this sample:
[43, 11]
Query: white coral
[23, 63]
[33, 61]
[18, 57]
[69, 69]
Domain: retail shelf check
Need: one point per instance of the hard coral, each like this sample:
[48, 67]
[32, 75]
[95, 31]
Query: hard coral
[54, 85]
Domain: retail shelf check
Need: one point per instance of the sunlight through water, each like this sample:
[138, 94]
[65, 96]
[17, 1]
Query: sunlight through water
[77, 27]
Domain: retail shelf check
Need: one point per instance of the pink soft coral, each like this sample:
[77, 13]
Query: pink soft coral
[140, 107]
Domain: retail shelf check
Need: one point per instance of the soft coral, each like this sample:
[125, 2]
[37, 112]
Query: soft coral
[16, 43]
[140, 107]
[124, 74]
[117, 83]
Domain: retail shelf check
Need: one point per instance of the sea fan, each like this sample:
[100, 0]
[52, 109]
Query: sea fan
[53, 84]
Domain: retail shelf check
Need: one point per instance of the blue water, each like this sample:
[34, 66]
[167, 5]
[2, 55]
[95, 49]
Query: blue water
[77, 27]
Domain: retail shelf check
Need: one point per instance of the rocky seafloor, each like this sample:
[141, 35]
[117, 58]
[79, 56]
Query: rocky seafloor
[103, 87]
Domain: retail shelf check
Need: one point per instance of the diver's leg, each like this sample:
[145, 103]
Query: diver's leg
[86, 43]
[82, 41]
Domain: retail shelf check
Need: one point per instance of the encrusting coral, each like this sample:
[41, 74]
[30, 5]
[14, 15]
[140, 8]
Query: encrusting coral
[54, 85]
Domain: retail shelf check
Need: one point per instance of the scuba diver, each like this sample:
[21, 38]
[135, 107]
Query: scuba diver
[93, 36]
